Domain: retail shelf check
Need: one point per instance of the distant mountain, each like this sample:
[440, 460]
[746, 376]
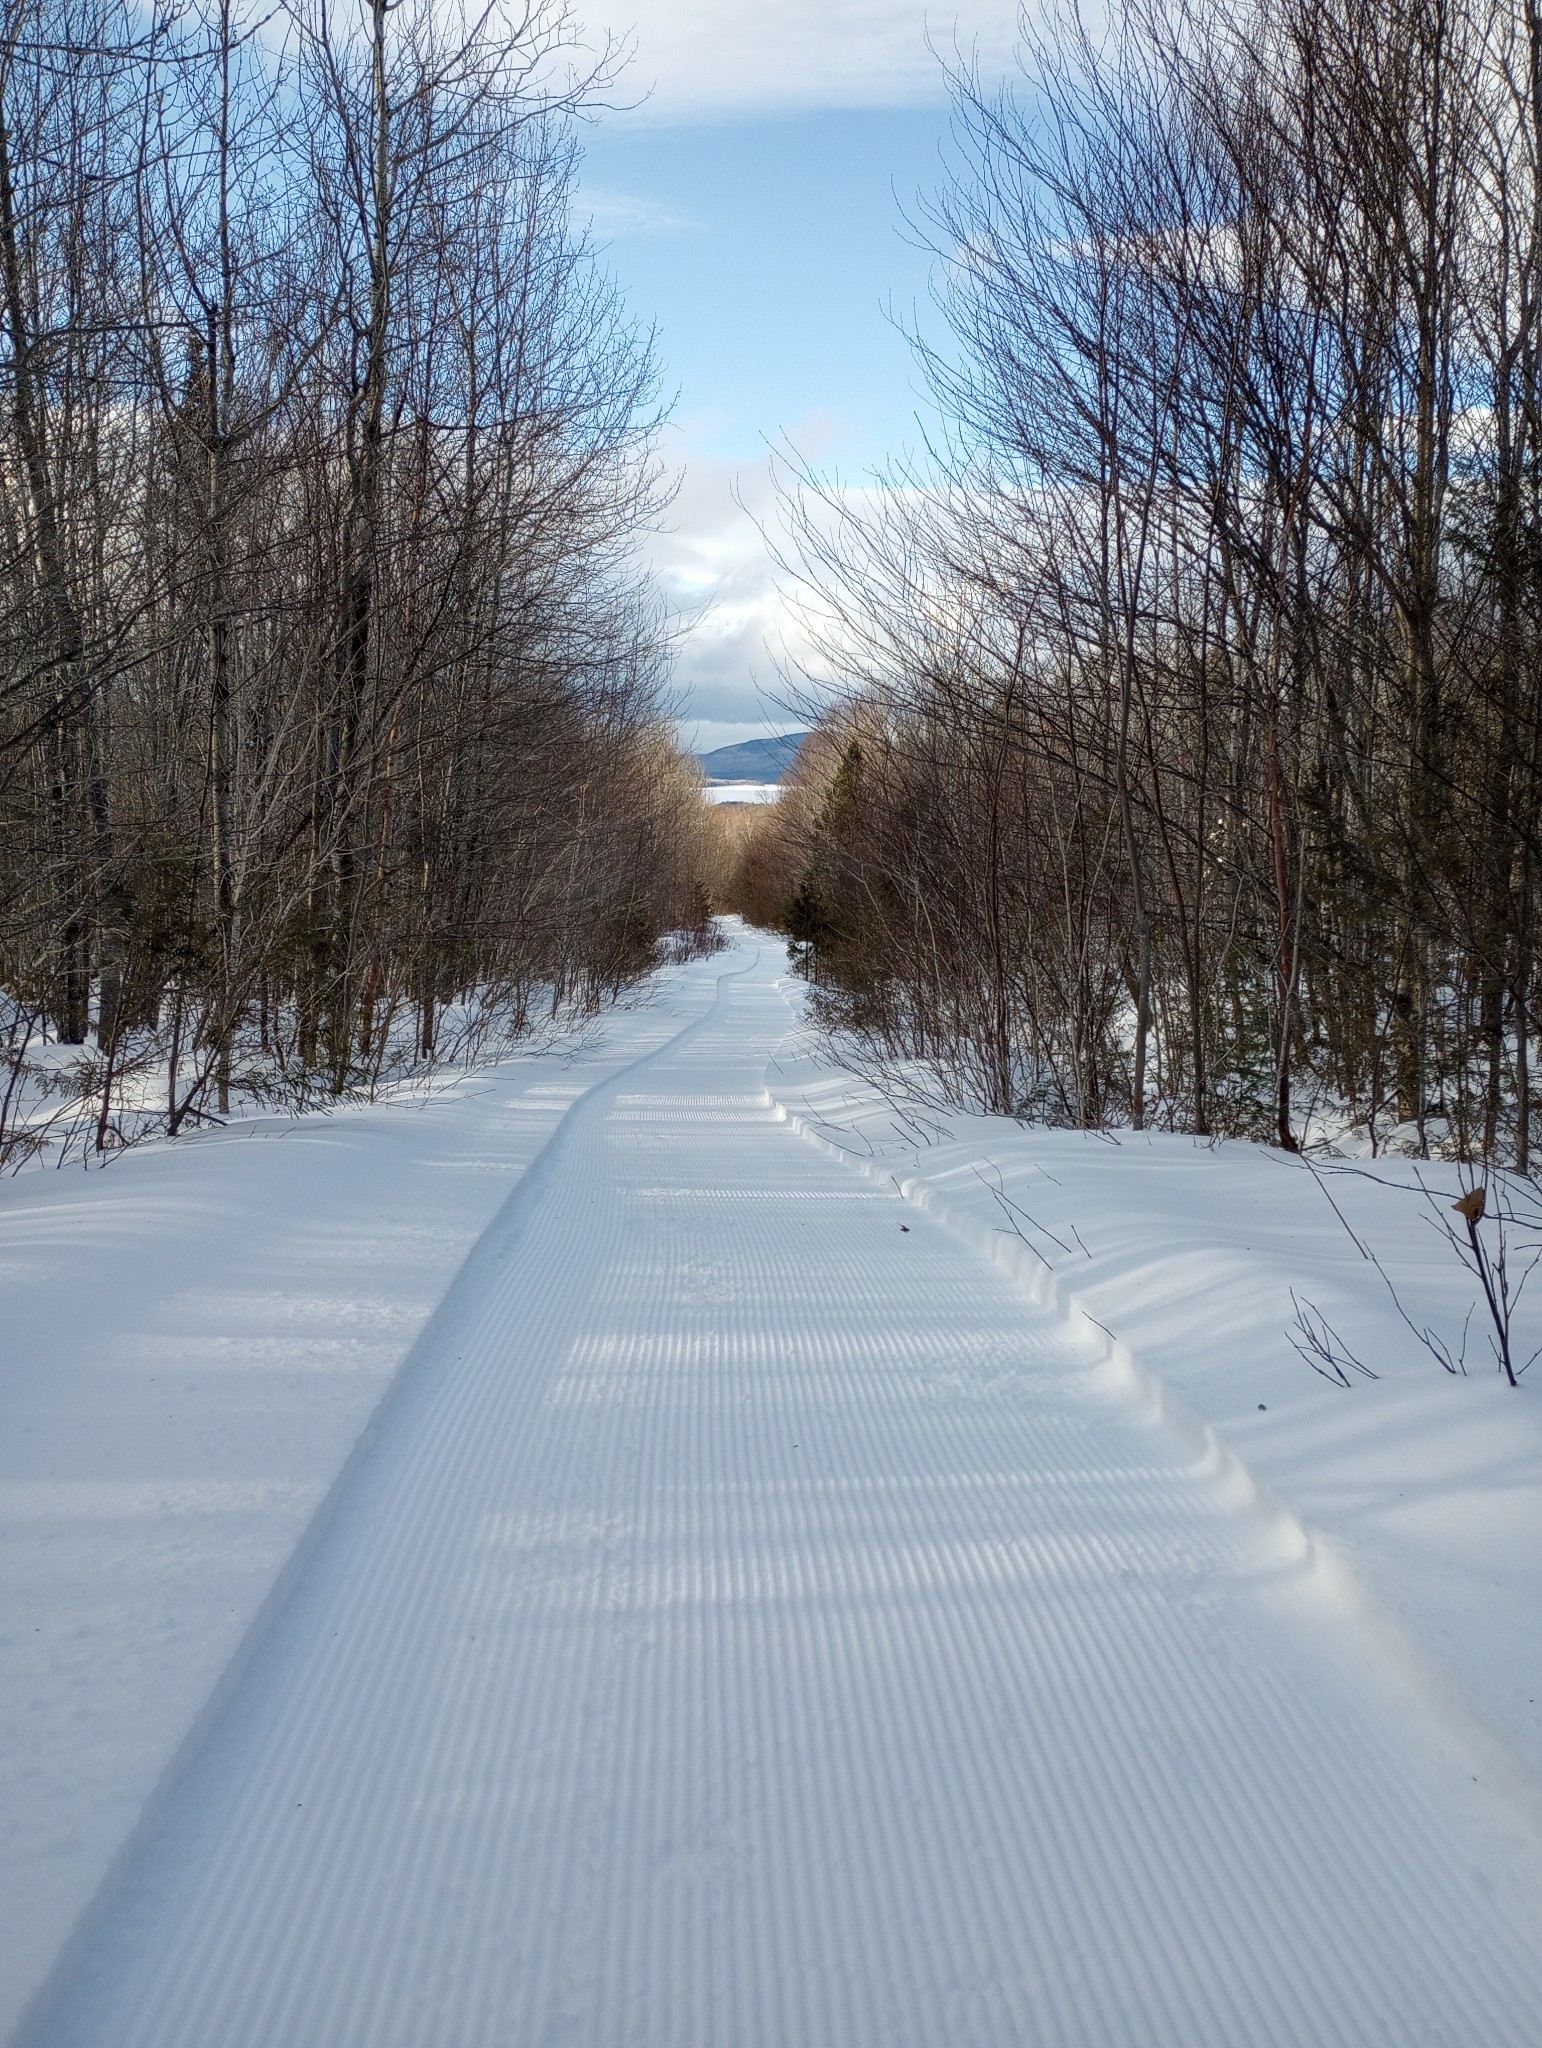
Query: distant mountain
[753, 760]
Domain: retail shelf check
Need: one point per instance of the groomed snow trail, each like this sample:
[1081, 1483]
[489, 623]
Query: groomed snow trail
[761, 1627]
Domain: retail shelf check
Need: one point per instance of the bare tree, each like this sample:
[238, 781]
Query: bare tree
[1228, 545]
[332, 687]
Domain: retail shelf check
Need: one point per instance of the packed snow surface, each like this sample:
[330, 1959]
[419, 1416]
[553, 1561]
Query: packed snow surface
[739, 1613]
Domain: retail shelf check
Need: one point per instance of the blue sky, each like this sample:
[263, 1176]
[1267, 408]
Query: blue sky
[753, 207]
[768, 250]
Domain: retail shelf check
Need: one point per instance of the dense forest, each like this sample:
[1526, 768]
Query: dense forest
[1186, 759]
[329, 686]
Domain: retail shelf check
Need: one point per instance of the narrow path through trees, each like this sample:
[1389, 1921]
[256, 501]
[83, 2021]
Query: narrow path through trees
[757, 1625]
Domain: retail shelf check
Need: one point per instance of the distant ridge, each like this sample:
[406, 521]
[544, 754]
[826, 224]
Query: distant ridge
[753, 760]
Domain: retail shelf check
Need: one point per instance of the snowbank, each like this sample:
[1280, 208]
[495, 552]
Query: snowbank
[1420, 1491]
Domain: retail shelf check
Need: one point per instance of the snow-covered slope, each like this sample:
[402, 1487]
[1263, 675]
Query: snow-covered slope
[753, 1619]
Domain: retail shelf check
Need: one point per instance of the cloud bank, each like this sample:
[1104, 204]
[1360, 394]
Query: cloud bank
[713, 567]
[715, 59]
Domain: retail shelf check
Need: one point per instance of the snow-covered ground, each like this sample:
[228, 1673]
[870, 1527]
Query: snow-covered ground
[53, 1114]
[763, 1607]
[1420, 1491]
[743, 792]
[193, 1341]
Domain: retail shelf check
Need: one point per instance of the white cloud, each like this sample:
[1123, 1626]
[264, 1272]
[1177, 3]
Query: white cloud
[707, 60]
[704, 59]
[625, 213]
[713, 565]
